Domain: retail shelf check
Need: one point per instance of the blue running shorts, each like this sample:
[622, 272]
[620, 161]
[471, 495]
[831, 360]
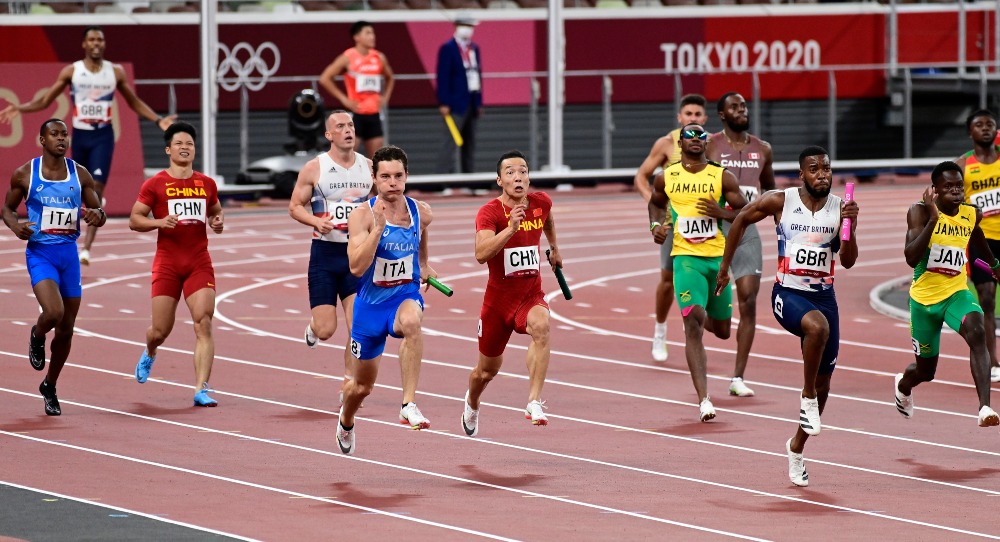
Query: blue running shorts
[374, 322]
[790, 305]
[55, 261]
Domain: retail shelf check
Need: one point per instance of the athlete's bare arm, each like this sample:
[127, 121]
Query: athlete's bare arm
[489, 243]
[731, 193]
[216, 220]
[390, 82]
[62, 81]
[364, 228]
[91, 215]
[657, 208]
[300, 204]
[140, 220]
[769, 204]
[657, 156]
[767, 173]
[328, 80]
[549, 229]
[140, 107]
[849, 248]
[426, 217]
[19, 186]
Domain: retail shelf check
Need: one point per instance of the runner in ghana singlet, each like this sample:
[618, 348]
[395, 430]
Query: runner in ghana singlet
[940, 229]
[749, 158]
[981, 171]
[696, 192]
[666, 151]
[808, 220]
[508, 231]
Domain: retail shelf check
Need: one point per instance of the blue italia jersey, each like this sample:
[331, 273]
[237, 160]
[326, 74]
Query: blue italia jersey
[54, 205]
[396, 268]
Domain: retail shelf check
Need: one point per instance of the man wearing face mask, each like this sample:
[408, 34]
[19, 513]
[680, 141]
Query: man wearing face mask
[460, 96]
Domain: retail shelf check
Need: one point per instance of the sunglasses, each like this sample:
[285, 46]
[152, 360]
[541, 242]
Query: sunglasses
[694, 134]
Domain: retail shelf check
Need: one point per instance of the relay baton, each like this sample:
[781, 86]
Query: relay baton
[440, 286]
[984, 266]
[455, 134]
[845, 226]
[559, 277]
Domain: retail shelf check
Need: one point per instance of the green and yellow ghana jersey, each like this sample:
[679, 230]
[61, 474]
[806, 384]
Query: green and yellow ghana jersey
[982, 189]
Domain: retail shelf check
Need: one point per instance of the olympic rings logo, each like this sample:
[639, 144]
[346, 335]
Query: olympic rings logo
[252, 72]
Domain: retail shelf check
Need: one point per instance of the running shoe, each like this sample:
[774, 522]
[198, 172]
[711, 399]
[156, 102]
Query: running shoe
[904, 403]
[738, 388]
[143, 367]
[36, 351]
[660, 349]
[534, 413]
[706, 411]
[52, 402]
[345, 439]
[202, 399]
[411, 415]
[470, 419]
[994, 374]
[796, 466]
[987, 417]
[809, 416]
[84, 257]
[311, 339]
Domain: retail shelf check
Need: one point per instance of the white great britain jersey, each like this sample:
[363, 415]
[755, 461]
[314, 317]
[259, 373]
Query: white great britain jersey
[92, 94]
[807, 243]
[337, 192]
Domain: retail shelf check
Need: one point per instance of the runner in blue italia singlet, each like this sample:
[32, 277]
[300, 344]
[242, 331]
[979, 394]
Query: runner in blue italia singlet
[54, 189]
[387, 249]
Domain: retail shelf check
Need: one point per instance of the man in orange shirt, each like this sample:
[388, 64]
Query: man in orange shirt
[368, 80]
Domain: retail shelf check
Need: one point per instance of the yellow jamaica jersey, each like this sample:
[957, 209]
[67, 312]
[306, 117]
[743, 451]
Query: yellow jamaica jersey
[941, 272]
[694, 233]
[982, 189]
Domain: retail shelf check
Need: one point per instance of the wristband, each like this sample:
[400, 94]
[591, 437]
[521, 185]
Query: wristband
[654, 225]
[996, 264]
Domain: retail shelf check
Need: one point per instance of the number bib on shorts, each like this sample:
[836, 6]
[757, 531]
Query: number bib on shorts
[520, 261]
[696, 229]
[946, 260]
[187, 209]
[390, 273]
[809, 260]
[59, 220]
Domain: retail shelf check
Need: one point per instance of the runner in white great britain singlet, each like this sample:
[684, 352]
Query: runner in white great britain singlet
[337, 192]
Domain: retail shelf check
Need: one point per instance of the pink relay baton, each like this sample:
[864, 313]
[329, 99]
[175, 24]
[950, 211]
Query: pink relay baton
[845, 226]
[984, 266]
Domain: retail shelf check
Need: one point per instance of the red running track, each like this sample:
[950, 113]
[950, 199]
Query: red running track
[624, 455]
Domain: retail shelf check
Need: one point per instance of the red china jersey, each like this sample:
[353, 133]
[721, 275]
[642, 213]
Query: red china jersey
[190, 200]
[519, 258]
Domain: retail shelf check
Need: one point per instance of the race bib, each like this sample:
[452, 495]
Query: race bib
[93, 112]
[946, 260]
[749, 192]
[390, 273]
[368, 83]
[187, 209]
[59, 220]
[339, 213]
[988, 201]
[809, 260]
[520, 261]
[696, 229]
